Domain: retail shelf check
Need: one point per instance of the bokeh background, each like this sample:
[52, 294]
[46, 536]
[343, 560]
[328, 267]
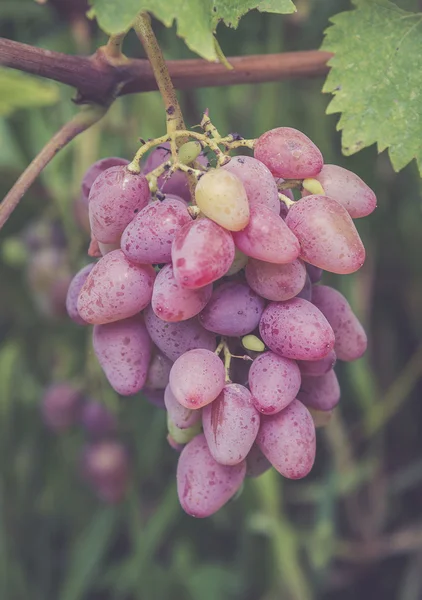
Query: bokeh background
[353, 528]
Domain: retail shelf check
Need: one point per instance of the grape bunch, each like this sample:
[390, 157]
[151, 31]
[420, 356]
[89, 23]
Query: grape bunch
[211, 304]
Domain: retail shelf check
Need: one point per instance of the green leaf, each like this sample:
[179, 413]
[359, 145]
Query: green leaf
[376, 79]
[19, 90]
[196, 19]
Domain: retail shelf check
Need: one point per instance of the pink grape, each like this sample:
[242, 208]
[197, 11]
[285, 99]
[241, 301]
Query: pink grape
[288, 153]
[261, 189]
[275, 282]
[73, 294]
[97, 420]
[96, 169]
[202, 252]
[274, 382]
[149, 237]
[256, 463]
[231, 424]
[123, 350]
[351, 341]
[158, 371]
[61, 405]
[327, 234]
[287, 440]
[181, 416]
[174, 339]
[234, 310]
[296, 329]
[348, 189]
[203, 485]
[266, 237]
[177, 183]
[106, 467]
[316, 368]
[320, 393]
[115, 289]
[197, 377]
[172, 302]
[116, 196]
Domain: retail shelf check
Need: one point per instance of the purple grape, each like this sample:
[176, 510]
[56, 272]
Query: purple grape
[351, 341]
[154, 397]
[123, 350]
[274, 382]
[149, 237]
[174, 339]
[73, 294]
[115, 289]
[116, 196]
[256, 463]
[61, 406]
[158, 371]
[296, 329]
[315, 273]
[203, 485]
[306, 291]
[316, 368]
[287, 440]
[197, 378]
[231, 424]
[96, 169]
[288, 153]
[97, 420]
[234, 310]
[320, 393]
[105, 466]
[172, 302]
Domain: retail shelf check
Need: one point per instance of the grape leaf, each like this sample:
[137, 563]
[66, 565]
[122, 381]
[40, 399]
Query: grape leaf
[196, 19]
[376, 79]
[19, 90]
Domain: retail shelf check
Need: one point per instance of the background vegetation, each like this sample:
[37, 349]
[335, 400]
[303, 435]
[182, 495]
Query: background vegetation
[353, 528]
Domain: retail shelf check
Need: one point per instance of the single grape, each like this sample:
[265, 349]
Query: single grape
[234, 310]
[222, 198]
[174, 339]
[158, 371]
[287, 440]
[97, 420]
[288, 153]
[177, 183]
[181, 416]
[61, 405]
[202, 252]
[239, 262]
[185, 435]
[315, 273]
[116, 196]
[306, 291]
[123, 350]
[276, 282]
[96, 169]
[203, 485]
[320, 393]
[73, 294]
[296, 329]
[173, 444]
[256, 463]
[327, 234]
[148, 238]
[266, 237]
[348, 189]
[172, 302]
[351, 341]
[231, 424]
[197, 377]
[154, 397]
[259, 184]
[274, 382]
[105, 466]
[316, 368]
[115, 289]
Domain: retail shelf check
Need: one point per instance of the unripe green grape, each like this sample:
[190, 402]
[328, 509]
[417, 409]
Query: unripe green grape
[182, 436]
[189, 152]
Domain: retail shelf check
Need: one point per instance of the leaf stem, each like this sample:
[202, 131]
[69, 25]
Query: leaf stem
[114, 45]
[79, 123]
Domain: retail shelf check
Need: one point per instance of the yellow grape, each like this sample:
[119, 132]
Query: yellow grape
[221, 196]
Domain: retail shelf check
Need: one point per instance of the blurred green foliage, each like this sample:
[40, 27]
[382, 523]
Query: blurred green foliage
[353, 527]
